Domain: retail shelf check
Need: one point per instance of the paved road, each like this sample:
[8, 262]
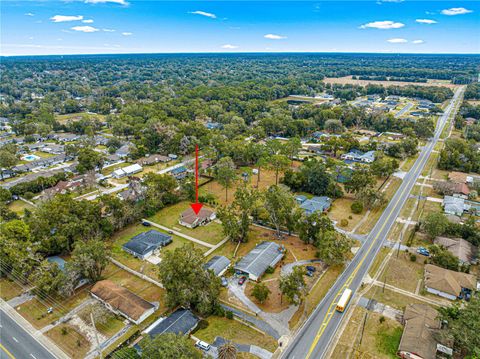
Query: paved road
[15, 342]
[313, 339]
[406, 108]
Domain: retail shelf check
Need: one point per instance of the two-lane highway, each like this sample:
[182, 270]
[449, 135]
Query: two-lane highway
[15, 342]
[313, 339]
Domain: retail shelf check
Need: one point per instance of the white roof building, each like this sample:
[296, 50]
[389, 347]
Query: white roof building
[127, 171]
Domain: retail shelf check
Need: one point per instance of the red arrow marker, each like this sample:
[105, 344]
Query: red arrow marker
[196, 206]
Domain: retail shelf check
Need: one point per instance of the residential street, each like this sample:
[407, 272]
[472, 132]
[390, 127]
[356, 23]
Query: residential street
[313, 339]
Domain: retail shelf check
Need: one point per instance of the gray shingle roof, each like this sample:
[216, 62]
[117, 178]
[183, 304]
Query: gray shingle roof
[257, 261]
[180, 321]
[146, 242]
[217, 264]
[316, 204]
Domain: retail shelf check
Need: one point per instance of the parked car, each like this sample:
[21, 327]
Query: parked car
[224, 282]
[242, 280]
[423, 251]
[309, 273]
[202, 345]
[146, 224]
[311, 268]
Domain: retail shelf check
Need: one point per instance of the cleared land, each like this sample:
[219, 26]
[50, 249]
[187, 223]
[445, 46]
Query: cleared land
[348, 80]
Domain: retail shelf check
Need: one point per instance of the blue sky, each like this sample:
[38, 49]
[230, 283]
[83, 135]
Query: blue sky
[45, 27]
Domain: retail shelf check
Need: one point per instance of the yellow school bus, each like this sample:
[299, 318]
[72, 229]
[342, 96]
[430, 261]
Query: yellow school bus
[344, 299]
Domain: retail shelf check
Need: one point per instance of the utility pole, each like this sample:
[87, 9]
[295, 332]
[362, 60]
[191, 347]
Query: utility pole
[96, 336]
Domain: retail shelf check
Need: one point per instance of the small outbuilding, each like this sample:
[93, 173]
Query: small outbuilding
[218, 264]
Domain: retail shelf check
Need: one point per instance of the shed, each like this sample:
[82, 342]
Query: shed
[218, 264]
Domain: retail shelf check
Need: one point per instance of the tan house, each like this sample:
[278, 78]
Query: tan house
[189, 219]
[459, 247]
[121, 301]
[447, 283]
[417, 340]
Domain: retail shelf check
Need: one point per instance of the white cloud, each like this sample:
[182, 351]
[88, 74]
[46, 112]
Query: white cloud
[274, 37]
[88, 21]
[426, 21]
[85, 29]
[383, 25]
[65, 18]
[127, 33]
[108, 30]
[456, 11]
[120, 2]
[418, 42]
[229, 46]
[203, 13]
[29, 14]
[397, 41]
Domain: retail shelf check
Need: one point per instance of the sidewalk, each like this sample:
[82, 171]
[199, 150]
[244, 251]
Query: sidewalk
[36, 334]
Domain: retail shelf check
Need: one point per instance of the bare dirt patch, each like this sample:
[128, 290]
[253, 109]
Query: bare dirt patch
[348, 80]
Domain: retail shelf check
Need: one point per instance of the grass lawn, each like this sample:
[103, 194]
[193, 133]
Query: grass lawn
[402, 273]
[211, 233]
[380, 339]
[316, 294]
[235, 331]
[378, 261]
[70, 340]
[19, 207]
[9, 289]
[341, 210]
[35, 310]
[142, 288]
[391, 298]
[145, 267]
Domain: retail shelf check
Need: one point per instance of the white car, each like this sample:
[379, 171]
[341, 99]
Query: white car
[202, 345]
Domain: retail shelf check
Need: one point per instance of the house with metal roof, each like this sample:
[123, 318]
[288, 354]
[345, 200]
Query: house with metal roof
[316, 204]
[218, 264]
[179, 172]
[127, 171]
[453, 205]
[359, 156]
[256, 262]
[181, 321]
[145, 244]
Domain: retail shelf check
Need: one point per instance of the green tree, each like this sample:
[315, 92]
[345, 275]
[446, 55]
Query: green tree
[90, 258]
[464, 326]
[292, 285]
[384, 167]
[169, 346]
[89, 159]
[443, 258]
[279, 205]
[186, 282]
[361, 178]
[48, 279]
[260, 292]
[7, 160]
[435, 224]
[278, 163]
[334, 248]
[225, 174]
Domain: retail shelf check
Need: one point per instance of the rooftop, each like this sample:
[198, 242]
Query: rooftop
[180, 321]
[217, 264]
[146, 242]
[448, 281]
[257, 261]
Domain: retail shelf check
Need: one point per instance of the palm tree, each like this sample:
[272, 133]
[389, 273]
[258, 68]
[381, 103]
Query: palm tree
[227, 350]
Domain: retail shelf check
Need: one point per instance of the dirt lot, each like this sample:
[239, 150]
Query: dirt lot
[70, 340]
[348, 80]
[380, 339]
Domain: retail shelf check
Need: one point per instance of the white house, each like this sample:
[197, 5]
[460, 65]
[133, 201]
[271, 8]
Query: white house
[127, 171]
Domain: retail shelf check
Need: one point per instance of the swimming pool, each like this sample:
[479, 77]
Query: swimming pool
[30, 158]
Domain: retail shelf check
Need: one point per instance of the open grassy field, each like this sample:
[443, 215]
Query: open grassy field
[77, 116]
[211, 233]
[341, 210]
[235, 331]
[348, 80]
[70, 340]
[9, 289]
[19, 207]
[35, 310]
[393, 299]
[402, 273]
[380, 339]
